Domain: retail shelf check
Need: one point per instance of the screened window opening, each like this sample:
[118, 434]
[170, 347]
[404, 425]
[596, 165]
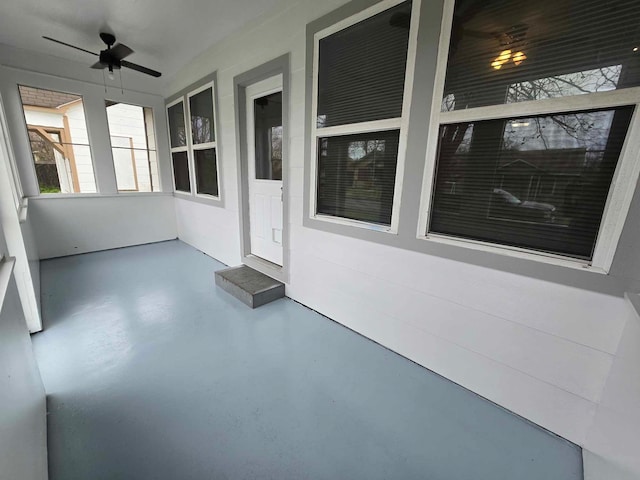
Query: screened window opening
[539, 179]
[360, 83]
[59, 141]
[268, 136]
[135, 159]
[538, 182]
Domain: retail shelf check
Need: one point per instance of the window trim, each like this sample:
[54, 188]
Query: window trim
[622, 186]
[7, 150]
[210, 81]
[398, 123]
[184, 148]
[202, 146]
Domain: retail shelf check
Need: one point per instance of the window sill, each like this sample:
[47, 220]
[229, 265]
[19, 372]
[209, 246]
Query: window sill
[200, 198]
[354, 223]
[516, 252]
[56, 196]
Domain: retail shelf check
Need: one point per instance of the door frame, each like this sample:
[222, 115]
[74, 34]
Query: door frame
[277, 66]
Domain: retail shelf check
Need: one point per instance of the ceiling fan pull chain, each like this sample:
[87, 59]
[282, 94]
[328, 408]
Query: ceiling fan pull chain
[104, 81]
[121, 88]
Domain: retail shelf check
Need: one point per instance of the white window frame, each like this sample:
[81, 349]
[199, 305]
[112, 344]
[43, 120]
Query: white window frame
[400, 123]
[7, 150]
[184, 148]
[622, 187]
[201, 146]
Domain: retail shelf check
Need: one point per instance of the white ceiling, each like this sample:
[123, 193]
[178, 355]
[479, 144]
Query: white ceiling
[165, 34]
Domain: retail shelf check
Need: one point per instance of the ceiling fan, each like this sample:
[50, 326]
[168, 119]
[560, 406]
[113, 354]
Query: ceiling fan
[112, 58]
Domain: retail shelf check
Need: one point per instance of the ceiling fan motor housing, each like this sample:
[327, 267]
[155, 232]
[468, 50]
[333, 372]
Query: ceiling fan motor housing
[108, 60]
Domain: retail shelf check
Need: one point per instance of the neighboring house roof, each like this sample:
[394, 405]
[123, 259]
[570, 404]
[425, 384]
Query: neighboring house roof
[554, 161]
[46, 98]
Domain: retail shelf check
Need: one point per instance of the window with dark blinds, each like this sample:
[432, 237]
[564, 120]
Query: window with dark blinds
[506, 52]
[356, 176]
[360, 89]
[534, 180]
[537, 182]
[361, 69]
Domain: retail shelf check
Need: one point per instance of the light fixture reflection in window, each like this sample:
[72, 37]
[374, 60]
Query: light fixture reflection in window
[506, 56]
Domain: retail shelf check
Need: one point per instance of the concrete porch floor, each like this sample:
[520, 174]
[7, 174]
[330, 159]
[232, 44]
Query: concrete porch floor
[152, 372]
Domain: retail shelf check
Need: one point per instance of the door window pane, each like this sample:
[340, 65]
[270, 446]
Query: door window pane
[505, 52]
[538, 182]
[201, 108]
[268, 136]
[59, 141]
[206, 171]
[177, 129]
[361, 69]
[356, 176]
[181, 171]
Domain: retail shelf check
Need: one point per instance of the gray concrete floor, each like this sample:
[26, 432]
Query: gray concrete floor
[154, 373]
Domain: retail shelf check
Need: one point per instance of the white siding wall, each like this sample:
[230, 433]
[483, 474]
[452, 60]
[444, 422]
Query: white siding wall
[614, 439]
[68, 226]
[81, 150]
[538, 348]
[44, 119]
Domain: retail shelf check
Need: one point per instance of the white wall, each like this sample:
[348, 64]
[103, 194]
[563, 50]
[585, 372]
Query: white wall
[68, 226]
[613, 442]
[211, 230]
[526, 341]
[23, 419]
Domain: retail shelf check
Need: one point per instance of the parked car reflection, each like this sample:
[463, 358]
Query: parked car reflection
[506, 205]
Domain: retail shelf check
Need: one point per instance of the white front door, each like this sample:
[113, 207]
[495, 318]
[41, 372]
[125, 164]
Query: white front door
[264, 156]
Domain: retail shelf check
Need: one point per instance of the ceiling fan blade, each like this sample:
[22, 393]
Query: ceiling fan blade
[479, 34]
[140, 68]
[120, 51]
[98, 66]
[69, 45]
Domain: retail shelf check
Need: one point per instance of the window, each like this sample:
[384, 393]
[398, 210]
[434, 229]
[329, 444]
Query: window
[133, 147]
[179, 149]
[59, 141]
[193, 143]
[359, 79]
[203, 141]
[268, 136]
[515, 165]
